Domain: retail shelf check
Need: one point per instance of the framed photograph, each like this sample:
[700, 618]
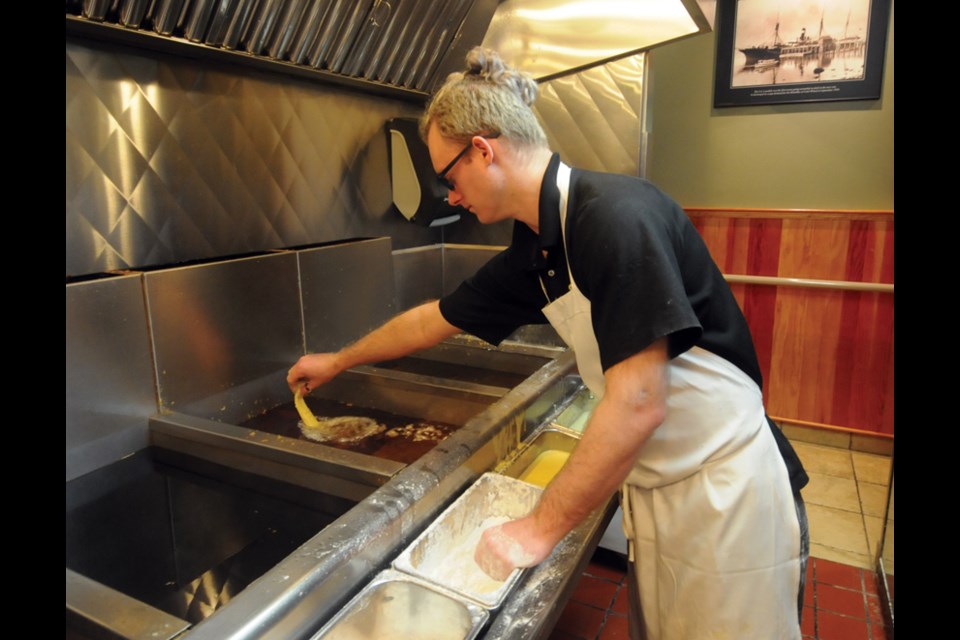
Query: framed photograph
[787, 51]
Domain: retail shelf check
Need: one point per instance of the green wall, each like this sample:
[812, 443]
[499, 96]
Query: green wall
[835, 155]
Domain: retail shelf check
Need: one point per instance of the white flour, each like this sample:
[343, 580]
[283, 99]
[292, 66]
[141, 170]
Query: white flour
[452, 564]
[403, 611]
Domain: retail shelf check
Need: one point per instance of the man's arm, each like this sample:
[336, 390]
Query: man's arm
[633, 406]
[412, 330]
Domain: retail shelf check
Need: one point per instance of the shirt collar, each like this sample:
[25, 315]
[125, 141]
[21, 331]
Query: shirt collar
[528, 246]
[550, 206]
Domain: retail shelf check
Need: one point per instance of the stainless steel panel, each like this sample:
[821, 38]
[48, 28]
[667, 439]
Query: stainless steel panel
[286, 29]
[385, 46]
[132, 12]
[166, 15]
[111, 391]
[431, 272]
[128, 500]
[371, 32]
[432, 400]
[550, 37]
[262, 26]
[198, 19]
[305, 39]
[335, 472]
[224, 335]
[438, 38]
[93, 608]
[397, 605]
[348, 33]
[347, 38]
[469, 230]
[460, 261]
[577, 414]
[184, 535]
[238, 23]
[96, 9]
[419, 275]
[347, 291]
[454, 360]
[474, 26]
[170, 160]
[223, 11]
[594, 118]
[333, 21]
[425, 17]
[415, 13]
[216, 524]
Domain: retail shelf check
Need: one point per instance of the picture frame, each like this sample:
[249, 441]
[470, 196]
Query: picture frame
[793, 51]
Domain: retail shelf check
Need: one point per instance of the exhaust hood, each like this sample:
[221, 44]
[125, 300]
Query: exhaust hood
[402, 48]
[552, 38]
[397, 47]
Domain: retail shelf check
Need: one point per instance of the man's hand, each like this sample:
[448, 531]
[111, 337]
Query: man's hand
[515, 544]
[313, 370]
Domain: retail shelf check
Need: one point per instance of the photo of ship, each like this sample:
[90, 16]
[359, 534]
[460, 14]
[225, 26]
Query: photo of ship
[763, 56]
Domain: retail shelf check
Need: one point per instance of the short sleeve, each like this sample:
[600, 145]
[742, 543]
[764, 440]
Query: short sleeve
[496, 301]
[623, 243]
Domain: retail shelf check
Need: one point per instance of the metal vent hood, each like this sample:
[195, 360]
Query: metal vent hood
[552, 38]
[402, 48]
[396, 47]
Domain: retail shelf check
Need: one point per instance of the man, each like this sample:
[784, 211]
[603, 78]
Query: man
[711, 510]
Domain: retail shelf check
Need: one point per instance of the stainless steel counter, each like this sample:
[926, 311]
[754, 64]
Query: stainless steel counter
[392, 503]
[208, 522]
[310, 586]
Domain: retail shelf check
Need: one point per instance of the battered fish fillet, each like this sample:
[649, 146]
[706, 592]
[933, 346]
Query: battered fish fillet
[344, 429]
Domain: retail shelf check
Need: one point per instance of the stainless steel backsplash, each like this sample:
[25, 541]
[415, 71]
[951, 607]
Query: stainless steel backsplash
[595, 118]
[171, 160]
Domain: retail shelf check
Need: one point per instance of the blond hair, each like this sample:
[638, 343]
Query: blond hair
[489, 97]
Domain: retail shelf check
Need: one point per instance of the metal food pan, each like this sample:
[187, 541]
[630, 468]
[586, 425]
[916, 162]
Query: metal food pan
[548, 439]
[577, 414]
[443, 553]
[397, 606]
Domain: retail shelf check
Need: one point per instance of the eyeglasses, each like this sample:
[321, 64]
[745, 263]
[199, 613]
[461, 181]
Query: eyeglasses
[442, 176]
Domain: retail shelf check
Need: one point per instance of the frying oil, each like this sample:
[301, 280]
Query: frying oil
[405, 439]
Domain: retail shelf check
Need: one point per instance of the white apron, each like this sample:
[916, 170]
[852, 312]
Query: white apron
[709, 515]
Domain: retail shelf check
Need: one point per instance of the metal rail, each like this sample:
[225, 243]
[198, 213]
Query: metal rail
[837, 285]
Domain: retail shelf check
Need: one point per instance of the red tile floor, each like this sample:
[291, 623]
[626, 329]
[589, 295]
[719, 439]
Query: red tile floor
[841, 602]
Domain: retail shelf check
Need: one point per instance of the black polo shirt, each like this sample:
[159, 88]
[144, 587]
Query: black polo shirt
[634, 254]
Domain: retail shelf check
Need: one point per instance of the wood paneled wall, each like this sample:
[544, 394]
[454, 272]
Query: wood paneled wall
[826, 354]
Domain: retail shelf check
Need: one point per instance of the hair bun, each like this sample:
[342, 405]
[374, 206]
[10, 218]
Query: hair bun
[487, 66]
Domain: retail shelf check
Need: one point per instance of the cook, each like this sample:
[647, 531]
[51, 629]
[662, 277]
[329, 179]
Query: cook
[710, 488]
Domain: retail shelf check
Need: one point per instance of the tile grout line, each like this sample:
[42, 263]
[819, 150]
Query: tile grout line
[863, 519]
[609, 610]
[871, 553]
[816, 615]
